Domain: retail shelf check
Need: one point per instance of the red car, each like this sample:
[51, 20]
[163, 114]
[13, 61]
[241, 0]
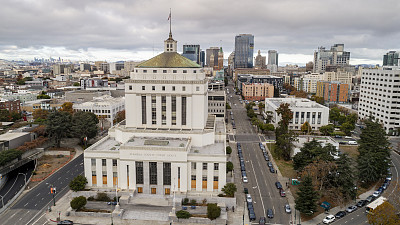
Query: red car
[282, 193]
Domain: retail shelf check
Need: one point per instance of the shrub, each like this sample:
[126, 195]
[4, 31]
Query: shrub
[221, 195]
[91, 198]
[204, 202]
[103, 197]
[213, 211]
[78, 183]
[7, 156]
[229, 189]
[228, 150]
[229, 166]
[193, 202]
[78, 202]
[185, 201]
[182, 214]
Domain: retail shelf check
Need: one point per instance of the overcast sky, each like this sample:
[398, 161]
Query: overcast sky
[135, 29]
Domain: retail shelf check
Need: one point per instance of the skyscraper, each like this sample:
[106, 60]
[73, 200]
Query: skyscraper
[244, 46]
[391, 59]
[192, 52]
[336, 56]
[272, 60]
[260, 61]
[212, 56]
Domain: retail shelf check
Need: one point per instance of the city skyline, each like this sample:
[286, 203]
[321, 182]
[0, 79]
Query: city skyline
[121, 30]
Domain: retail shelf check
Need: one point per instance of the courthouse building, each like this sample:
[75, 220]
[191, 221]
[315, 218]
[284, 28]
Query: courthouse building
[168, 142]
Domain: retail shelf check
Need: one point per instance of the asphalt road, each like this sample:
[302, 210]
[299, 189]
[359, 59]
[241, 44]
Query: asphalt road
[16, 180]
[30, 208]
[261, 183]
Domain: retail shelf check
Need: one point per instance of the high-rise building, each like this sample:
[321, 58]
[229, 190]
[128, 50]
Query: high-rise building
[380, 98]
[116, 66]
[260, 61]
[84, 66]
[333, 91]
[212, 56]
[244, 46]
[220, 65]
[272, 57]
[192, 52]
[336, 57]
[202, 58]
[168, 144]
[391, 58]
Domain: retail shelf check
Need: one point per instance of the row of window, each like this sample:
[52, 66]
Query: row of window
[301, 115]
[373, 74]
[165, 71]
[163, 88]
[204, 166]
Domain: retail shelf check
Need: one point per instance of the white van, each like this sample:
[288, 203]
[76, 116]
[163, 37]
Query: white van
[352, 142]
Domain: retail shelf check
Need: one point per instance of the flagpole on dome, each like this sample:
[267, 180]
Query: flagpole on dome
[170, 20]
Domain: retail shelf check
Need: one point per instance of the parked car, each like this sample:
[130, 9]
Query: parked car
[250, 205]
[278, 185]
[282, 193]
[248, 198]
[287, 208]
[361, 203]
[245, 190]
[370, 198]
[351, 208]
[347, 137]
[266, 157]
[376, 194]
[252, 214]
[329, 219]
[385, 185]
[245, 180]
[271, 169]
[269, 164]
[352, 142]
[338, 136]
[244, 174]
[262, 221]
[112, 203]
[340, 214]
[270, 213]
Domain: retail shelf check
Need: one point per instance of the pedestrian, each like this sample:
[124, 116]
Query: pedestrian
[233, 208]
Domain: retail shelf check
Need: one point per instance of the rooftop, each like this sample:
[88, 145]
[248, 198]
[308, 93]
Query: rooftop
[294, 102]
[169, 60]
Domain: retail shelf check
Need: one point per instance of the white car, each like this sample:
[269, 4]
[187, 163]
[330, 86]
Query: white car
[245, 180]
[329, 219]
[248, 198]
[376, 194]
[347, 137]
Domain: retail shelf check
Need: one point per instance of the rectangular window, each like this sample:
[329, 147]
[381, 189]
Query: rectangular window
[144, 118]
[154, 71]
[153, 172]
[114, 162]
[193, 181]
[183, 88]
[139, 172]
[204, 182]
[164, 71]
[130, 87]
[173, 88]
[302, 118]
[174, 71]
[164, 110]
[313, 118]
[93, 162]
[184, 71]
[319, 118]
[103, 162]
[153, 110]
[193, 165]
[144, 71]
[197, 88]
[216, 166]
[143, 88]
[204, 166]
[153, 88]
[173, 110]
[183, 110]
[163, 88]
[308, 117]
[115, 178]
[167, 173]
[296, 118]
[104, 177]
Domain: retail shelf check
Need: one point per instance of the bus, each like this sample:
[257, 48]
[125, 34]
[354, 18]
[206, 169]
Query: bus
[371, 206]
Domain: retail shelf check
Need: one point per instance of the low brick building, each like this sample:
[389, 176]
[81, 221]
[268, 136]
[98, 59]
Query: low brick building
[257, 91]
[11, 105]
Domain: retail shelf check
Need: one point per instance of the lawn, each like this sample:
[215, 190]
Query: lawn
[351, 150]
[285, 167]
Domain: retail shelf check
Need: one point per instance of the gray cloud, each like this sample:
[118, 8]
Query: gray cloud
[368, 28]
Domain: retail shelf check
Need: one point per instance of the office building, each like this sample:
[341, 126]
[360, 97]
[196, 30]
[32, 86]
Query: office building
[192, 52]
[116, 66]
[216, 102]
[220, 65]
[303, 110]
[260, 61]
[277, 82]
[10, 105]
[272, 61]
[335, 57]
[257, 91]
[84, 67]
[244, 46]
[168, 144]
[391, 58]
[380, 97]
[212, 57]
[333, 91]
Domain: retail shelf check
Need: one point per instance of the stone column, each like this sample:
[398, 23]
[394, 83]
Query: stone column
[146, 177]
[160, 173]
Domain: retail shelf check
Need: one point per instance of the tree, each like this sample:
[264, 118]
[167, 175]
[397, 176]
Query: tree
[347, 127]
[313, 151]
[40, 114]
[250, 113]
[120, 116]
[306, 127]
[213, 211]
[43, 95]
[227, 106]
[84, 125]
[306, 202]
[78, 183]
[334, 115]
[228, 150]
[182, 214]
[15, 116]
[59, 125]
[229, 166]
[78, 202]
[229, 189]
[77, 84]
[226, 81]
[67, 107]
[7, 156]
[284, 137]
[386, 214]
[327, 129]
[374, 153]
[5, 115]
[345, 176]
[261, 106]
[320, 172]
[319, 100]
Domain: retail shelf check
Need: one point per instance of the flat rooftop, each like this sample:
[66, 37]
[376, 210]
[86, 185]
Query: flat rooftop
[12, 135]
[213, 149]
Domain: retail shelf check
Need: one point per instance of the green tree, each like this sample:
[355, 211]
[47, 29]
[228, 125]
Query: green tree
[228, 150]
[78, 202]
[334, 115]
[213, 211]
[84, 124]
[78, 183]
[226, 81]
[67, 107]
[15, 116]
[345, 176]
[385, 214]
[229, 189]
[120, 116]
[319, 100]
[229, 166]
[250, 106]
[313, 151]
[59, 125]
[77, 84]
[250, 113]
[261, 106]
[374, 153]
[43, 95]
[327, 129]
[306, 202]
[227, 106]
[284, 136]
[306, 127]
[7, 156]
[5, 115]
[347, 127]
[182, 214]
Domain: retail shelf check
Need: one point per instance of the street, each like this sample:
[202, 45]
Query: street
[31, 208]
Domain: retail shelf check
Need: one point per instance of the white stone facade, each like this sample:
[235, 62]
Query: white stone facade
[380, 97]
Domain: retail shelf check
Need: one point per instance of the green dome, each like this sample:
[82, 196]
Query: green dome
[169, 60]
